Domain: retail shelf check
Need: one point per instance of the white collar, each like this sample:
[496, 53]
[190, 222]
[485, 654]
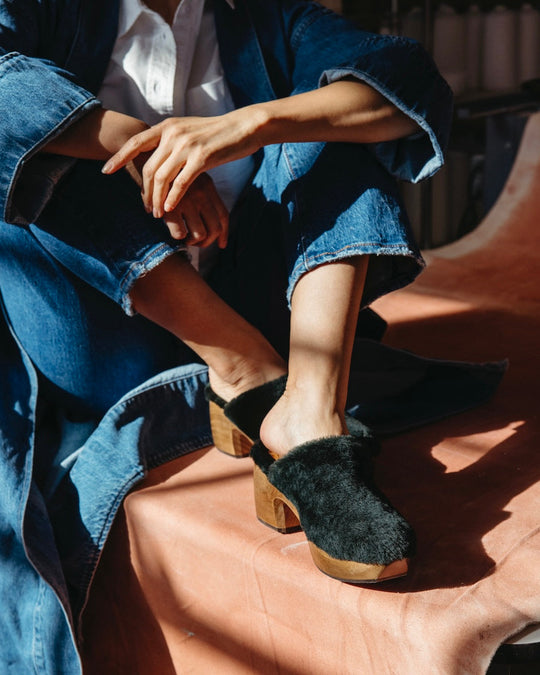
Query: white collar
[130, 10]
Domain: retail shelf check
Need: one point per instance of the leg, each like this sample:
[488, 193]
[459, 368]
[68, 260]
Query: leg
[308, 470]
[310, 205]
[313, 218]
[238, 356]
[326, 258]
[325, 306]
[334, 208]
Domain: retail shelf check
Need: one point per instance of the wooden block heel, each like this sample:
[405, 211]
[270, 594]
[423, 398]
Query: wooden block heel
[227, 436]
[273, 509]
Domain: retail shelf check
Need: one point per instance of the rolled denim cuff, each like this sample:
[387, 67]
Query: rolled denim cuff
[28, 179]
[327, 47]
[392, 267]
[419, 155]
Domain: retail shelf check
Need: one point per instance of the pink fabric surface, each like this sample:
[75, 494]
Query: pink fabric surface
[191, 582]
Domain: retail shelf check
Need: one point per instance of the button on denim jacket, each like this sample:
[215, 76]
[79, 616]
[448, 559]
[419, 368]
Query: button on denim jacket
[53, 56]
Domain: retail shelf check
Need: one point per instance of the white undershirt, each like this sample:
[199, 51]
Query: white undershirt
[158, 71]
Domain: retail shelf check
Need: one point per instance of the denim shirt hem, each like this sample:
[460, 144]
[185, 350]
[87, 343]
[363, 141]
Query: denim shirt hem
[144, 433]
[71, 525]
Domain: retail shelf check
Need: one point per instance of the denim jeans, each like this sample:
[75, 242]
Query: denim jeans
[93, 397]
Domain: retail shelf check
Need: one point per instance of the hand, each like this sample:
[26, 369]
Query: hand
[200, 217]
[183, 148]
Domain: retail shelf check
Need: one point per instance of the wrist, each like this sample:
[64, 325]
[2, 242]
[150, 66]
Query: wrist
[284, 120]
[116, 128]
[264, 120]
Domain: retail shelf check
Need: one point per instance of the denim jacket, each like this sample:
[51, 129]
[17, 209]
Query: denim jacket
[53, 56]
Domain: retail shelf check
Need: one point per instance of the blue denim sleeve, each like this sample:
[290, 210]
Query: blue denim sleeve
[326, 47]
[38, 100]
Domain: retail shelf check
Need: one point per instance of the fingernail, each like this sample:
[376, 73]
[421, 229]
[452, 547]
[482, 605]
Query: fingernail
[168, 206]
[106, 168]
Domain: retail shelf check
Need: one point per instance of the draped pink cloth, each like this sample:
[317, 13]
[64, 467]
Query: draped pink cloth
[191, 582]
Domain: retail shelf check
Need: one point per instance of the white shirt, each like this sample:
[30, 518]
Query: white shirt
[159, 70]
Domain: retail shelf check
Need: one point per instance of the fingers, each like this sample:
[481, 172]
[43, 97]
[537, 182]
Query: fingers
[195, 232]
[177, 226]
[191, 227]
[159, 172]
[181, 149]
[143, 142]
[163, 174]
[181, 183]
[220, 219]
[201, 217]
[150, 171]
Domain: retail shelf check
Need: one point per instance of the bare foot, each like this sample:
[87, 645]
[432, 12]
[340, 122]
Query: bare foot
[297, 418]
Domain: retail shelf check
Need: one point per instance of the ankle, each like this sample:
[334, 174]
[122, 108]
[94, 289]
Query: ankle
[323, 396]
[297, 419]
[242, 374]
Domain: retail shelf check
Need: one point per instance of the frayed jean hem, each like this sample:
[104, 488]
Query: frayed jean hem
[140, 268]
[413, 264]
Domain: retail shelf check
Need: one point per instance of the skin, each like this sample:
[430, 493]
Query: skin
[170, 161]
[200, 219]
[183, 148]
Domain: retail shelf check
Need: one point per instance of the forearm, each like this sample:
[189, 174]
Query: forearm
[344, 111]
[97, 135]
[184, 147]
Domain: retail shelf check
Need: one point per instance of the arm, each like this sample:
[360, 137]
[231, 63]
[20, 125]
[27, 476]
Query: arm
[200, 218]
[395, 79]
[97, 135]
[344, 111]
